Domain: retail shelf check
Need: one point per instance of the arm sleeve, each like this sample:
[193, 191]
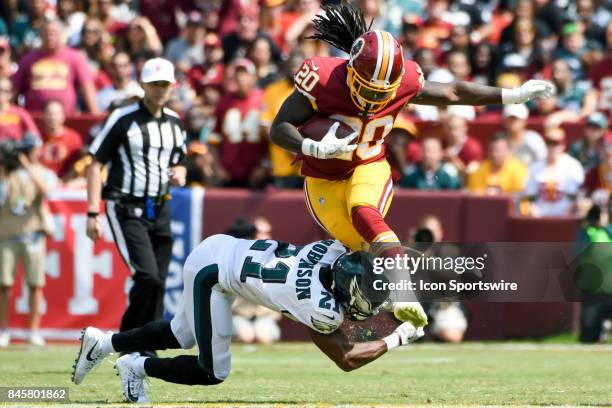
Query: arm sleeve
[311, 81]
[179, 155]
[108, 138]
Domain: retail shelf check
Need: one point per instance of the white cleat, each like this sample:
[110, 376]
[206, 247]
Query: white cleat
[37, 340]
[90, 354]
[133, 383]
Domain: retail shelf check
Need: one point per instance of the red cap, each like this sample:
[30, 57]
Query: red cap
[245, 64]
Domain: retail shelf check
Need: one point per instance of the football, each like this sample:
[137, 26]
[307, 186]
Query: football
[316, 128]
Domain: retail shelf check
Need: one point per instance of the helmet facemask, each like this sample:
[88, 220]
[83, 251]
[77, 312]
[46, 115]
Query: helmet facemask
[351, 286]
[368, 94]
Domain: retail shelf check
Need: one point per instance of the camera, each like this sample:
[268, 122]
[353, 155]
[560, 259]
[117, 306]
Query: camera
[11, 148]
[9, 153]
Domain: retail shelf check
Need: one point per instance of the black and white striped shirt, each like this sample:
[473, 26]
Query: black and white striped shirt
[140, 149]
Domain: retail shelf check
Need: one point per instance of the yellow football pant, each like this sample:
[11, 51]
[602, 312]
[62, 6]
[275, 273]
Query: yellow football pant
[330, 201]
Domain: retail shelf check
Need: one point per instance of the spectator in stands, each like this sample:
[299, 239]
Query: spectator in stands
[600, 75]
[275, 20]
[162, 16]
[26, 30]
[24, 184]
[448, 320]
[97, 48]
[598, 181]
[123, 86]
[260, 52]
[55, 72]
[253, 323]
[526, 44]
[238, 145]
[596, 305]
[586, 150]
[198, 124]
[572, 47]
[426, 59]
[459, 65]
[402, 146]
[436, 29]
[15, 122]
[7, 67]
[527, 145]
[432, 173]
[572, 95]
[594, 23]
[71, 15]
[484, 63]
[461, 150]
[236, 44]
[500, 172]
[200, 170]
[186, 51]
[554, 183]
[409, 38]
[107, 12]
[459, 40]
[142, 37]
[61, 145]
[523, 10]
[284, 173]
[211, 72]
[298, 28]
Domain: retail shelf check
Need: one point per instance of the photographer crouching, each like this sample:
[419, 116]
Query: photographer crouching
[24, 184]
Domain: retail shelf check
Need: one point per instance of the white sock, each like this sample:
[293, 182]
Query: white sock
[107, 344]
[139, 366]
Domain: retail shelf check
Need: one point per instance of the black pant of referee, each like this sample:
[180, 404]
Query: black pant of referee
[145, 243]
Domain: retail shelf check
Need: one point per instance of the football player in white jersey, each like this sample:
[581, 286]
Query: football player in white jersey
[317, 285]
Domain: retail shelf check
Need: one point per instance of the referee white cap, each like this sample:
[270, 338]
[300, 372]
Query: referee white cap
[157, 69]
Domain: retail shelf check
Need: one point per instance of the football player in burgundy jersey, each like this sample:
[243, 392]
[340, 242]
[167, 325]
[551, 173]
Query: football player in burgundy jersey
[348, 187]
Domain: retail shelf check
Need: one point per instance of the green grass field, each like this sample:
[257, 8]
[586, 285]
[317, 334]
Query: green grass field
[297, 374]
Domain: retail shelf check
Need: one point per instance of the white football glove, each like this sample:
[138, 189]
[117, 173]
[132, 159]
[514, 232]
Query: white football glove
[330, 146]
[532, 89]
[411, 312]
[403, 334]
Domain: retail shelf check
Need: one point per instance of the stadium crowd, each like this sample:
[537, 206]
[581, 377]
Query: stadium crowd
[235, 61]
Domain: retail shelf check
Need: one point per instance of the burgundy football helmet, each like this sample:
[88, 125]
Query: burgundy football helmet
[375, 70]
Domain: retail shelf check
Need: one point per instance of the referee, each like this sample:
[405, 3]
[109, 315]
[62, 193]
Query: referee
[144, 143]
